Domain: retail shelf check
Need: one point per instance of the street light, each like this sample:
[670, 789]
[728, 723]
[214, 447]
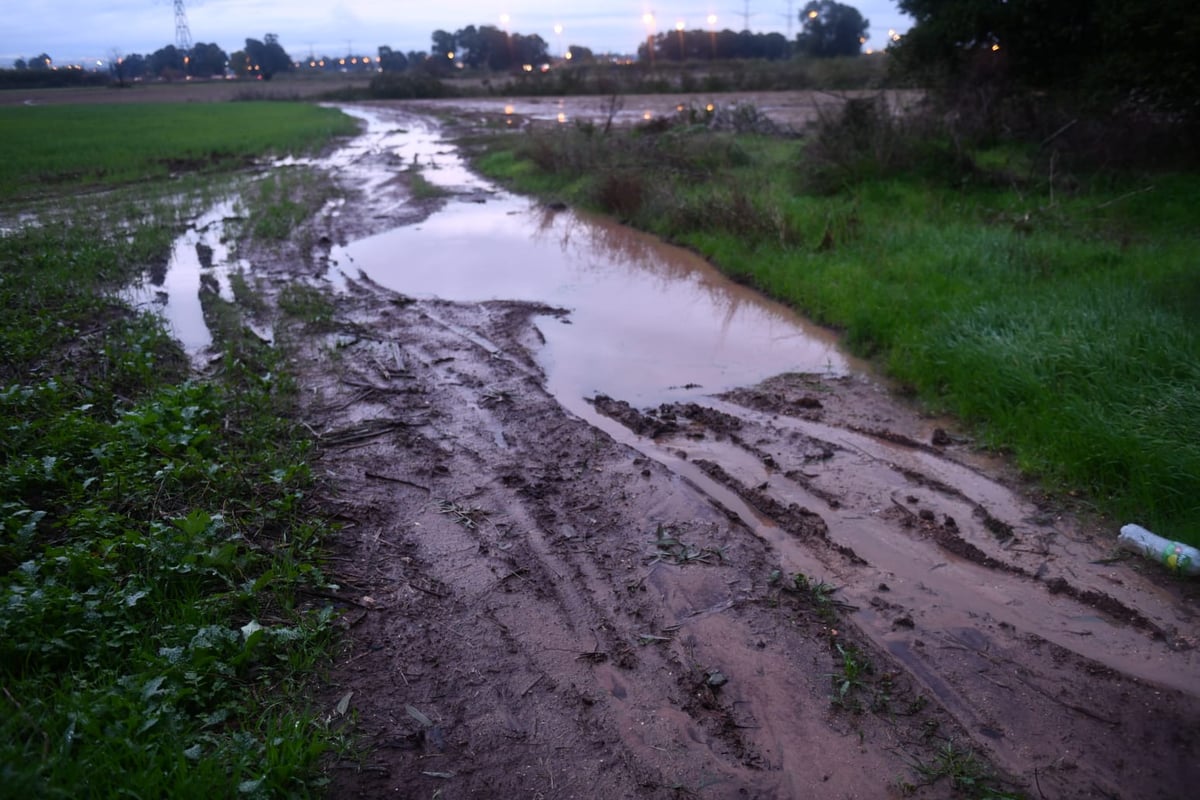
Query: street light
[712, 33]
[679, 26]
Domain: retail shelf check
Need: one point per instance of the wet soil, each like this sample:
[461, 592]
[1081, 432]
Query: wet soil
[549, 596]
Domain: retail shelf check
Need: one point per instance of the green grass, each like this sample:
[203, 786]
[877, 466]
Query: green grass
[1060, 322]
[58, 148]
[158, 554]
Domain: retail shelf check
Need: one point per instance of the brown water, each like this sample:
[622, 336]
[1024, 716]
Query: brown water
[647, 322]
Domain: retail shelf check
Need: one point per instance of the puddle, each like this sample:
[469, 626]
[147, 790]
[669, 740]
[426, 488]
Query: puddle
[200, 261]
[648, 322]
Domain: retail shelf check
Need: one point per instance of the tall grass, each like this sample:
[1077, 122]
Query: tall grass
[56, 148]
[1058, 318]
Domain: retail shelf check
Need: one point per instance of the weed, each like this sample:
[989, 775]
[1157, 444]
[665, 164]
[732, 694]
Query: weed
[673, 550]
[851, 677]
[968, 775]
[467, 516]
[155, 548]
[308, 305]
[421, 187]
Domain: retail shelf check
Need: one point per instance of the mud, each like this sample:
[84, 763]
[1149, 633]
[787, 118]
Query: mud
[547, 593]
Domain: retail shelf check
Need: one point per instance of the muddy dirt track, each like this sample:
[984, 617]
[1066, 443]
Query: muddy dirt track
[591, 599]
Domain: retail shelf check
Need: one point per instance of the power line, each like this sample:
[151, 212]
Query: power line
[183, 34]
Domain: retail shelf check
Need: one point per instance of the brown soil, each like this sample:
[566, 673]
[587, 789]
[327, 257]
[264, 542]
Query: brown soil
[541, 605]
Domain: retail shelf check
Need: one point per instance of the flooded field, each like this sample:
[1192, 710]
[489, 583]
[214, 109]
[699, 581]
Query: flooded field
[580, 472]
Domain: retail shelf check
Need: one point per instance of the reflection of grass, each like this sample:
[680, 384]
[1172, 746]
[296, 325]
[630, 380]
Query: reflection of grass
[52, 147]
[1062, 323]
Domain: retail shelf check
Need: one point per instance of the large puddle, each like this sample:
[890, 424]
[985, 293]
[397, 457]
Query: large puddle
[648, 322]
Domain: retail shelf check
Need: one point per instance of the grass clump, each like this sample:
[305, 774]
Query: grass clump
[1055, 312]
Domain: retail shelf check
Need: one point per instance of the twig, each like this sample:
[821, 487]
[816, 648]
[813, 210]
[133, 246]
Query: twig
[1125, 196]
[390, 479]
[1058, 133]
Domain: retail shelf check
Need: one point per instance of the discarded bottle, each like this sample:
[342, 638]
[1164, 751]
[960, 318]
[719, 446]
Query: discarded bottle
[1179, 558]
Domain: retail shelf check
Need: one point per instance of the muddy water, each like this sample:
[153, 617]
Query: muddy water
[647, 322]
[199, 261]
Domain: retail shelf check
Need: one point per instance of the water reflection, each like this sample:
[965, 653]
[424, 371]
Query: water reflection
[647, 319]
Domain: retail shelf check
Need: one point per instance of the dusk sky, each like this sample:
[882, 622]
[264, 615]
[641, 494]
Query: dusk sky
[75, 31]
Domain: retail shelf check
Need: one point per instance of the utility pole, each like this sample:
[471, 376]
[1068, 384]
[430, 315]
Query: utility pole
[746, 15]
[183, 34]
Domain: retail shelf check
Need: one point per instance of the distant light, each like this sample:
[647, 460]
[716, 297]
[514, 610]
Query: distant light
[508, 109]
[527, 67]
[710, 108]
[995, 48]
[646, 115]
[813, 14]
[558, 29]
[562, 118]
[679, 26]
[712, 19]
[450, 55]
[648, 18]
[568, 56]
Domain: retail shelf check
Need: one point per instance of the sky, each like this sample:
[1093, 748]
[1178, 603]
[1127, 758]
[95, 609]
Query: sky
[87, 31]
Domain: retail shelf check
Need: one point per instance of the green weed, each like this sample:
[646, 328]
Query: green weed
[968, 775]
[156, 548]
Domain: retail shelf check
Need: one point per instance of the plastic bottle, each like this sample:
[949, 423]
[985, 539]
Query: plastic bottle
[1179, 558]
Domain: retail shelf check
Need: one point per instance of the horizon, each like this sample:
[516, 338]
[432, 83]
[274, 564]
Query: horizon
[357, 27]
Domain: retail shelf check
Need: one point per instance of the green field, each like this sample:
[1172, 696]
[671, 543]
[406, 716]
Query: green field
[48, 149]
[1059, 319]
[158, 556]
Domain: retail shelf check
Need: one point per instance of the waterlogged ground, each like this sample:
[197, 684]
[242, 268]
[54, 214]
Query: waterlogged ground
[579, 473]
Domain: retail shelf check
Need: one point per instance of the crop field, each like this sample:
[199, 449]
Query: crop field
[49, 148]
[157, 555]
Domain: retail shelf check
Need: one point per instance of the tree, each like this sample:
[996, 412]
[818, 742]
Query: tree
[831, 29]
[20, 64]
[207, 60]
[577, 54]
[267, 58]
[1100, 51]
[166, 62]
[41, 61]
[391, 60]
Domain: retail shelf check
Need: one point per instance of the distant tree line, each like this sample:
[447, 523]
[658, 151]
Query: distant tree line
[828, 29]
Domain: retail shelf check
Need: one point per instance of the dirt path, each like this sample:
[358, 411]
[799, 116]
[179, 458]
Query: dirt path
[569, 599]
